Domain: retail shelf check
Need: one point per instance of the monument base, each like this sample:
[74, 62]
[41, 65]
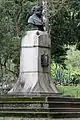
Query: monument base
[34, 78]
[35, 94]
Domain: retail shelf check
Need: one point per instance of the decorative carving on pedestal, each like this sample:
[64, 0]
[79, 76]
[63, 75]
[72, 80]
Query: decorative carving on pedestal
[44, 60]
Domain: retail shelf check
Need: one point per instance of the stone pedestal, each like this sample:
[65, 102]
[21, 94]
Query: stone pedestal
[34, 75]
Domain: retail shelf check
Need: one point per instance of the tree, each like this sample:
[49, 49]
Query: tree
[64, 27]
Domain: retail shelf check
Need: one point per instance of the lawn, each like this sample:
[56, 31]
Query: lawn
[73, 91]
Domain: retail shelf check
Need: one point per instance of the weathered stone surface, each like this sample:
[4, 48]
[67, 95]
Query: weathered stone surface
[19, 118]
[33, 77]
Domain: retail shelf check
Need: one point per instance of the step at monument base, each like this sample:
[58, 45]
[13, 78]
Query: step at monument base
[39, 107]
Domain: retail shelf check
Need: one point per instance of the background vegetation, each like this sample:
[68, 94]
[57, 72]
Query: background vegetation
[64, 31]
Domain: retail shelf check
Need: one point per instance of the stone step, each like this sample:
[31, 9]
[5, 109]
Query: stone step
[65, 110]
[42, 104]
[38, 98]
[64, 104]
[66, 99]
[41, 114]
[21, 98]
[55, 107]
[24, 109]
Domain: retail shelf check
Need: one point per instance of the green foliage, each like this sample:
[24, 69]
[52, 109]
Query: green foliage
[76, 79]
[60, 75]
[59, 54]
[73, 60]
[70, 75]
[64, 20]
[64, 26]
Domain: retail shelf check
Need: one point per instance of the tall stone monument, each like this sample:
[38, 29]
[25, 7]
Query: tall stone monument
[34, 77]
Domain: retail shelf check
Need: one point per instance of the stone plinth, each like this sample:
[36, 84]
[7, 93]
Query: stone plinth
[34, 75]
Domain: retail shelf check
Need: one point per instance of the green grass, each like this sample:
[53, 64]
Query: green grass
[73, 91]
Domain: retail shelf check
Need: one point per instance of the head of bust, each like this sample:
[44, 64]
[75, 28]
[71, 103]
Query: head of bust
[37, 10]
[36, 18]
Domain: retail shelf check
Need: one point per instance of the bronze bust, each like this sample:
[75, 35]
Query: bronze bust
[36, 19]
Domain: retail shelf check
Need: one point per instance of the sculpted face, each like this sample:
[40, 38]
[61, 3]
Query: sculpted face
[38, 11]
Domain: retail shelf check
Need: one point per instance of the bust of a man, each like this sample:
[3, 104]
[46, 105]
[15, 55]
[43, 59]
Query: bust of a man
[36, 19]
